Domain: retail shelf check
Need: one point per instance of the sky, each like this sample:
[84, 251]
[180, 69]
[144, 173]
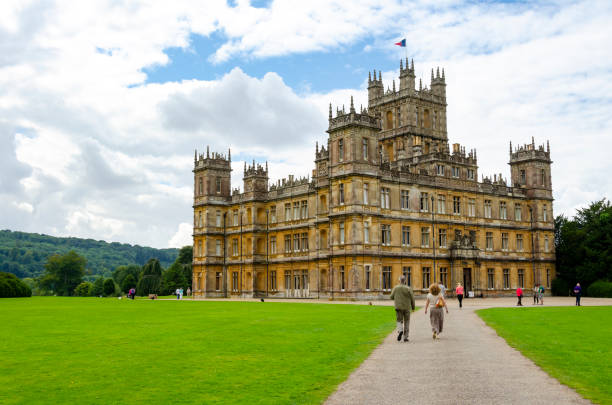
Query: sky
[102, 103]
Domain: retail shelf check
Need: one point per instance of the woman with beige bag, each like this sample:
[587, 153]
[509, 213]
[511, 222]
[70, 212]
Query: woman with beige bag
[436, 314]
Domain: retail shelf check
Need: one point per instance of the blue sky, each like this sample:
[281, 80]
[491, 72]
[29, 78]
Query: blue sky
[102, 103]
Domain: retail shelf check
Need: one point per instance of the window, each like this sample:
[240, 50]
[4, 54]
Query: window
[425, 236]
[504, 241]
[364, 148]
[405, 235]
[218, 184]
[442, 238]
[200, 223]
[440, 170]
[366, 232]
[234, 281]
[487, 208]
[366, 187]
[287, 243]
[490, 279]
[273, 245]
[399, 117]
[406, 271]
[444, 276]
[342, 278]
[547, 278]
[424, 202]
[546, 243]
[542, 177]
[519, 242]
[544, 213]
[305, 279]
[287, 280]
[489, 241]
[200, 186]
[416, 117]
[234, 247]
[435, 119]
[506, 279]
[304, 209]
[296, 242]
[441, 204]
[471, 207]
[235, 218]
[340, 150]
[521, 278]
[426, 277]
[384, 198]
[296, 210]
[470, 174]
[503, 213]
[218, 222]
[517, 212]
[456, 205]
[386, 278]
[385, 236]
[273, 214]
[341, 233]
[273, 285]
[287, 212]
[405, 200]
[368, 277]
[218, 281]
[455, 172]
[199, 248]
[341, 193]
[218, 247]
[304, 241]
[523, 178]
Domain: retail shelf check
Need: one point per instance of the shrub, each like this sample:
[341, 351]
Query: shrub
[98, 287]
[128, 282]
[109, 287]
[12, 286]
[560, 287]
[85, 289]
[600, 288]
[150, 281]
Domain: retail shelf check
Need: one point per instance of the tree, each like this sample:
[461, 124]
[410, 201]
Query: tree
[63, 273]
[185, 255]
[173, 278]
[109, 287]
[85, 289]
[12, 286]
[128, 282]
[121, 272]
[98, 287]
[150, 280]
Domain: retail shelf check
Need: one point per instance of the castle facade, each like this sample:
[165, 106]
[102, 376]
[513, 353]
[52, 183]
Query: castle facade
[387, 197]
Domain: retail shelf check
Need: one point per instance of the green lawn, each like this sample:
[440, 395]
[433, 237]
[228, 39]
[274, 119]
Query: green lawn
[572, 344]
[97, 350]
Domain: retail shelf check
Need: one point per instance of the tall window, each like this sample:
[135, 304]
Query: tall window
[542, 177]
[405, 235]
[385, 236]
[386, 278]
[342, 278]
[273, 214]
[503, 214]
[504, 241]
[546, 246]
[470, 174]
[234, 281]
[368, 277]
[424, 202]
[273, 245]
[405, 200]
[521, 278]
[456, 205]
[426, 277]
[273, 285]
[340, 150]
[199, 248]
[364, 148]
[218, 247]
[287, 243]
[544, 213]
[444, 276]
[200, 186]
[304, 241]
[366, 232]
[425, 236]
[489, 241]
[441, 204]
[342, 233]
[506, 279]
[287, 280]
[471, 207]
[366, 189]
[287, 212]
[517, 212]
[440, 170]
[384, 198]
[547, 278]
[455, 172]
[200, 219]
[304, 209]
[406, 271]
[490, 279]
[218, 281]
[234, 247]
[218, 221]
[305, 279]
[296, 242]
[218, 184]
[519, 242]
[341, 193]
[442, 237]
[296, 210]
[523, 177]
[487, 208]
[235, 218]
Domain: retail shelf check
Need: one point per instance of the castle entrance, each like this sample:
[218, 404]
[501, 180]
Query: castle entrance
[467, 280]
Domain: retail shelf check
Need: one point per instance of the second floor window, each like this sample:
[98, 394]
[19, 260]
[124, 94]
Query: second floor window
[341, 193]
[364, 148]
[455, 172]
[456, 205]
[489, 241]
[340, 150]
[424, 202]
[472, 207]
[384, 198]
[366, 189]
[273, 214]
[441, 204]
[405, 235]
[518, 212]
[405, 199]
[366, 232]
[296, 210]
[487, 208]
[425, 236]
[385, 236]
[342, 233]
[288, 212]
[442, 237]
[273, 245]
[504, 241]
[287, 243]
[519, 242]
[304, 241]
[503, 214]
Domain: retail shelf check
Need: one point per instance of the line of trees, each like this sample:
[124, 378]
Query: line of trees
[584, 251]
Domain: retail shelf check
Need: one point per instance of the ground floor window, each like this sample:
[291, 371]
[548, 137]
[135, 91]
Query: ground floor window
[368, 276]
[342, 286]
[386, 281]
[287, 280]
[234, 281]
[506, 279]
[408, 275]
[426, 277]
[218, 281]
[273, 285]
[521, 278]
[444, 276]
[547, 278]
[490, 279]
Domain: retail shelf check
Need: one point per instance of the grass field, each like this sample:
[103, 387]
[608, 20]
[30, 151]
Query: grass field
[96, 350]
[572, 344]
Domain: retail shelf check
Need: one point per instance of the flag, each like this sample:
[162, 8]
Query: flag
[401, 43]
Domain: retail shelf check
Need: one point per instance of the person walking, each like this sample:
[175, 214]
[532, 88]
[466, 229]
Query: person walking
[541, 294]
[403, 298]
[519, 295]
[189, 291]
[178, 294]
[459, 293]
[536, 292]
[436, 315]
[577, 292]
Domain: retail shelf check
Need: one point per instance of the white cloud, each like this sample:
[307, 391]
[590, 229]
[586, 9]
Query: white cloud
[182, 237]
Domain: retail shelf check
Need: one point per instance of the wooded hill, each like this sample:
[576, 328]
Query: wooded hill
[25, 254]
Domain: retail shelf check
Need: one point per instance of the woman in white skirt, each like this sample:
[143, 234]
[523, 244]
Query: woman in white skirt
[436, 315]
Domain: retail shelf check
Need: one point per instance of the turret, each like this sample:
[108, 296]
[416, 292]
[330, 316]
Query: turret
[212, 174]
[375, 87]
[255, 178]
[530, 168]
[438, 83]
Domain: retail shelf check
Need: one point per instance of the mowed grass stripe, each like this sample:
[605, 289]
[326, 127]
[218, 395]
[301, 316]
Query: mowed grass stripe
[92, 350]
[572, 344]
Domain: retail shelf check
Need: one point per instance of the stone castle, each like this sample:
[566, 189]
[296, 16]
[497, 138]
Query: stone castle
[387, 197]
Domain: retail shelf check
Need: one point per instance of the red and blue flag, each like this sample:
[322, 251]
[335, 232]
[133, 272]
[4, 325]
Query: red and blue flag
[401, 43]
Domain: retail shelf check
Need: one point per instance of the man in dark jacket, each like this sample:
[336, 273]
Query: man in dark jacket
[403, 297]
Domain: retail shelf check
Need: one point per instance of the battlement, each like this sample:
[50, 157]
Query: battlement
[342, 119]
[529, 151]
[255, 170]
[291, 181]
[212, 160]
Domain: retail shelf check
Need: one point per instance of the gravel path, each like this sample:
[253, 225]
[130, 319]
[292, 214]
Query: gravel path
[469, 364]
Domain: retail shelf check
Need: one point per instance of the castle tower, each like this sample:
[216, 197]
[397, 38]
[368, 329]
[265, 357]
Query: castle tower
[255, 178]
[530, 169]
[212, 175]
[438, 83]
[375, 87]
[407, 76]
